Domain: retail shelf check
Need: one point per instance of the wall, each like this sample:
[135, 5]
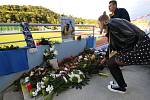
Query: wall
[33, 60]
[65, 49]
[71, 48]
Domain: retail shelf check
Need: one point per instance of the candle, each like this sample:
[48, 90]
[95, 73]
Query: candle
[29, 86]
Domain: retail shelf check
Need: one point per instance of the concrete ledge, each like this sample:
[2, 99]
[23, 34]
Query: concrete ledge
[65, 49]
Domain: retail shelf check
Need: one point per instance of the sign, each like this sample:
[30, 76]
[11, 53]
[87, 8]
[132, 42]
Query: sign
[12, 61]
[28, 36]
[67, 28]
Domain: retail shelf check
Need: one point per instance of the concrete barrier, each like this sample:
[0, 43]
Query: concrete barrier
[65, 49]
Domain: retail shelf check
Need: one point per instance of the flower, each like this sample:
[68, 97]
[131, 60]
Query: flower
[38, 86]
[32, 73]
[58, 75]
[55, 52]
[38, 89]
[27, 79]
[76, 76]
[44, 78]
[42, 85]
[35, 93]
[101, 57]
[66, 69]
[93, 57]
[52, 49]
[96, 51]
[65, 79]
[80, 57]
[41, 68]
[53, 75]
[100, 50]
[85, 59]
[49, 89]
[46, 54]
[62, 72]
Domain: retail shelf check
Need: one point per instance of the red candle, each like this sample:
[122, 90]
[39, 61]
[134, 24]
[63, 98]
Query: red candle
[37, 43]
[29, 86]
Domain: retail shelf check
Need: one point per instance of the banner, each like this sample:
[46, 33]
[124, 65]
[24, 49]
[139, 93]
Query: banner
[67, 28]
[12, 61]
[28, 36]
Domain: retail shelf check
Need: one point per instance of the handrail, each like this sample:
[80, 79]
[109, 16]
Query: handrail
[35, 39]
[30, 24]
[33, 24]
[19, 32]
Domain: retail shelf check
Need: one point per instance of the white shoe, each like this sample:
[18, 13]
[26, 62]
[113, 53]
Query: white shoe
[116, 89]
[114, 84]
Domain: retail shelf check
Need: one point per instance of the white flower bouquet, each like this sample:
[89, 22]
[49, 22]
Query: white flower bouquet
[76, 76]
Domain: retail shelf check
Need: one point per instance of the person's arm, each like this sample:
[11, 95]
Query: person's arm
[109, 50]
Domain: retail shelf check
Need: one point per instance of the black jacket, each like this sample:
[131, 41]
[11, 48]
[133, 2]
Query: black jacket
[121, 13]
[123, 35]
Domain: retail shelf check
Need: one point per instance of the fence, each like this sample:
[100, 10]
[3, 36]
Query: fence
[5, 31]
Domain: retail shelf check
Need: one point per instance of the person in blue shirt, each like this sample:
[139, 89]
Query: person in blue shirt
[118, 12]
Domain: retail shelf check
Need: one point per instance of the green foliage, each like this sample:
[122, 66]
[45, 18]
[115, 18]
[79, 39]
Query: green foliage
[11, 47]
[34, 14]
[31, 14]
[60, 85]
[89, 62]
[46, 82]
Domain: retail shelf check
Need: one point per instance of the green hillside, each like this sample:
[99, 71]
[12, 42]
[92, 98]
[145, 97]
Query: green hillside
[33, 14]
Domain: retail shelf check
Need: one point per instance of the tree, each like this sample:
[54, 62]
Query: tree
[33, 14]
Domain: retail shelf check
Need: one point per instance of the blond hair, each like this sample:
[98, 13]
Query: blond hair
[104, 17]
[103, 20]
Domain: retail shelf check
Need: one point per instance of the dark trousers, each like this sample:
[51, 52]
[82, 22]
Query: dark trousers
[116, 72]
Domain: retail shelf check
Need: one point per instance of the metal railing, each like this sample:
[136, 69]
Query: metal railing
[57, 25]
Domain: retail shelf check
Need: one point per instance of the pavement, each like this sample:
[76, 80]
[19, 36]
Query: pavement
[137, 78]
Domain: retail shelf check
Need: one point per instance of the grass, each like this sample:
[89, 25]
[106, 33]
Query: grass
[18, 37]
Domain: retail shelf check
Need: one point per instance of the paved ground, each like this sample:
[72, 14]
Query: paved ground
[137, 77]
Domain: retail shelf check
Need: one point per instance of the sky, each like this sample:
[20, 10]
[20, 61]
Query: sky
[90, 9]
